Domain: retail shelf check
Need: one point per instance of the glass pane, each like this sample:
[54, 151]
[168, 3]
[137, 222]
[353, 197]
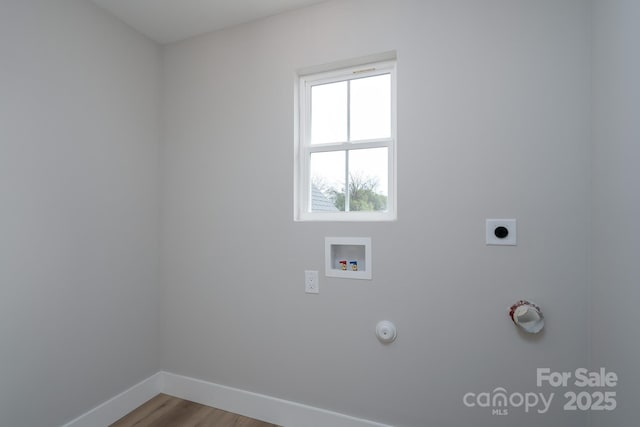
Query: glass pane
[329, 113]
[371, 107]
[368, 179]
[327, 181]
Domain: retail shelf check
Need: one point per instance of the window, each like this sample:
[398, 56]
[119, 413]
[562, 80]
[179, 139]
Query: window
[347, 143]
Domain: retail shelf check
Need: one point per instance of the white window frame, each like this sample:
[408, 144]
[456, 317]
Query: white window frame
[304, 148]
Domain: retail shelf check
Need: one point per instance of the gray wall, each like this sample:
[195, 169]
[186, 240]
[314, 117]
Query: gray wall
[495, 110]
[616, 202]
[79, 210]
[493, 119]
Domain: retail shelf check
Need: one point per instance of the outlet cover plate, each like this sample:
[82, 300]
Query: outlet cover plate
[311, 282]
[494, 237]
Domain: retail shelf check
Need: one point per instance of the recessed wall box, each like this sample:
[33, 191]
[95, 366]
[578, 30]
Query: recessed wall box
[348, 257]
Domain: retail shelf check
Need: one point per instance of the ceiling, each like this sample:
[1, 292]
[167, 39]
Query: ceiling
[167, 21]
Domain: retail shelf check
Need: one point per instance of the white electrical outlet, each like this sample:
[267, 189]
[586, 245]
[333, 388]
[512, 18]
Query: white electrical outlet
[311, 282]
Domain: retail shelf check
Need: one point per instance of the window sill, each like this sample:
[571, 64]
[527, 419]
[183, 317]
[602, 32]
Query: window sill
[347, 217]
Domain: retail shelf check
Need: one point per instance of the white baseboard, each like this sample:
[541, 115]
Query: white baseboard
[266, 408]
[117, 407]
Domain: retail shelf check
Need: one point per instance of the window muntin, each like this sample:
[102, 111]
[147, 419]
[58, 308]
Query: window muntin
[346, 150]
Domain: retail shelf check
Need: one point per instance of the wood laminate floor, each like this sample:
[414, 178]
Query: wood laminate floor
[169, 411]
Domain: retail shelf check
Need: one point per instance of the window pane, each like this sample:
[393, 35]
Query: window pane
[327, 181]
[329, 113]
[371, 107]
[368, 179]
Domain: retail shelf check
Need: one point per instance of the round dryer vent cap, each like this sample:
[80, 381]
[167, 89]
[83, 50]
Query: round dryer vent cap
[527, 315]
